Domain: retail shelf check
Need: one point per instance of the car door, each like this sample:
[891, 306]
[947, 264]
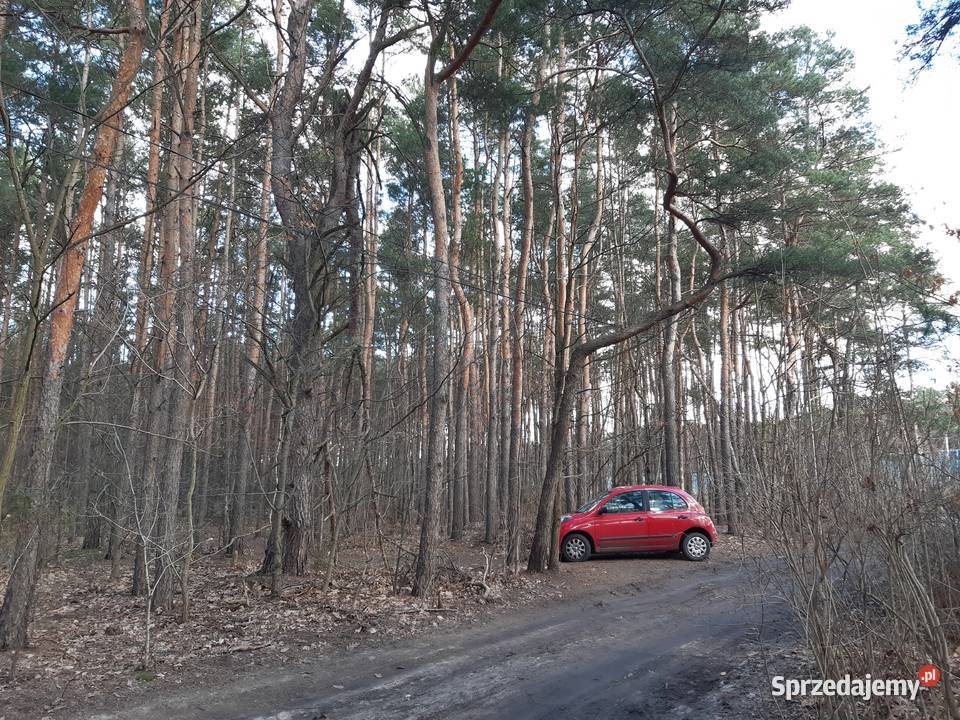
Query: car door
[668, 517]
[620, 523]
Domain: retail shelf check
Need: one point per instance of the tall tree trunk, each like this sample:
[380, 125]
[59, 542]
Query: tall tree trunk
[310, 242]
[185, 396]
[668, 358]
[583, 290]
[256, 277]
[142, 333]
[296, 507]
[562, 326]
[492, 352]
[440, 366]
[506, 347]
[518, 321]
[101, 350]
[459, 488]
[18, 598]
[728, 458]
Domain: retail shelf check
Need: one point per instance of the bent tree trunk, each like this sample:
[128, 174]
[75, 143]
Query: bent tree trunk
[543, 549]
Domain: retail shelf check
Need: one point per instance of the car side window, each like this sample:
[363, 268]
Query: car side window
[628, 502]
[664, 500]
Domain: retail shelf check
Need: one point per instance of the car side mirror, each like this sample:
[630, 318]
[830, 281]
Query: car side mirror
[603, 510]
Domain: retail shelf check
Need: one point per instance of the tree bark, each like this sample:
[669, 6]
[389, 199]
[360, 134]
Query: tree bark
[256, 303]
[440, 365]
[18, 598]
[492, 354]
[583, 290]
[440, 303]
[185, 395]
[668, 358]
[518, 321]
[465, 365]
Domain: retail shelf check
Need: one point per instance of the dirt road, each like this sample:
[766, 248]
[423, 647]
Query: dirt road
[688, 644]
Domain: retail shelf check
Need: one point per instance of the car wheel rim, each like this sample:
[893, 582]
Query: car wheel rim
[697, 546]
[576, 548]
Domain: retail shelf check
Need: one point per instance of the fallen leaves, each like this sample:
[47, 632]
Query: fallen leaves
[87, 633]
[87, 636]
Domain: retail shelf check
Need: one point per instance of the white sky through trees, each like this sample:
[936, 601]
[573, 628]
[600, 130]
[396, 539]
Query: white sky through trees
[915, 119]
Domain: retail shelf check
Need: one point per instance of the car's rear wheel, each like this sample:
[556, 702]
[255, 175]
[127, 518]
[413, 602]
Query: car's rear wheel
[695, 546]
[575, 547]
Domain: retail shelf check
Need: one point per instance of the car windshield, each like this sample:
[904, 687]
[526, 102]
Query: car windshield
[591, 505]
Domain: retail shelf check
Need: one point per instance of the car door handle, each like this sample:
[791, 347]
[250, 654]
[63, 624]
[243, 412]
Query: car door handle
[638, 519]
[683, 517]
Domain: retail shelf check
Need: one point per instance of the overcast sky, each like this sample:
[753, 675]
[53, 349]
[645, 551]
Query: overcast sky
[917, 121]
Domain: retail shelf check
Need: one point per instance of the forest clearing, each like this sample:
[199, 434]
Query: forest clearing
[479, 358]
[88, 632]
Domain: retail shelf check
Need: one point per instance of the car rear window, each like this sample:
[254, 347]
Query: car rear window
[664, 500]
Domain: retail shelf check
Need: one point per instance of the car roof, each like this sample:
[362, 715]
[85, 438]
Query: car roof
[627, 488]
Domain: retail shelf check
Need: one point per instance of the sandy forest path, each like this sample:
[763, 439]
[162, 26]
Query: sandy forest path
[691, 643]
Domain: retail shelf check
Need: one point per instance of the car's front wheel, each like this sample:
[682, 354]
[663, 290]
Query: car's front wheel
[695, 546]
[575, 547]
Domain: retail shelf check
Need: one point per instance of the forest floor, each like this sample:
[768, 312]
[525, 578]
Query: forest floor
[639, 623]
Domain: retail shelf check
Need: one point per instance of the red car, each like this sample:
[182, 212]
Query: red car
[638, 518]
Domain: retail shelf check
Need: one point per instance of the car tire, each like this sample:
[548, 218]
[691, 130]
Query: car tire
[695, 546]
[575, 547]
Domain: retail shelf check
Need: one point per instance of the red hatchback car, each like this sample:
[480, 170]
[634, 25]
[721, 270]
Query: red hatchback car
[638, 518]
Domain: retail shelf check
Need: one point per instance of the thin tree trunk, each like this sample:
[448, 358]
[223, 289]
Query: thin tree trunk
[517, 335]
[440, 367]
[668, 359]
[185, 396]
[492, 354]
[583, 289]
[459, 489]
